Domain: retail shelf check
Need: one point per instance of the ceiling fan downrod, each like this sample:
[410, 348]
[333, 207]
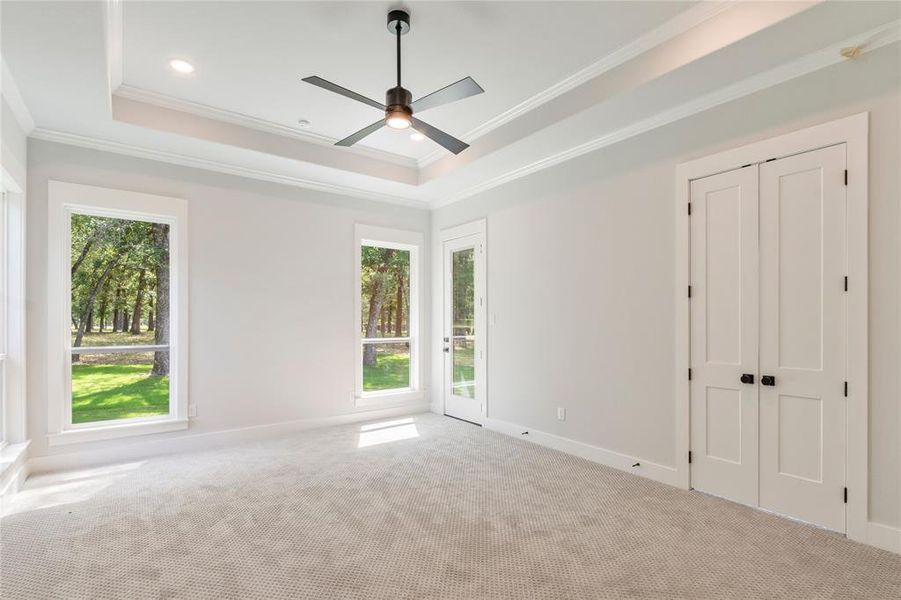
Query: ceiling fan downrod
[398, 99]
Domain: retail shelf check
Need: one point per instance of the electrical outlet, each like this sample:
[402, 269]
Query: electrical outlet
[561, 413]
[192, 410]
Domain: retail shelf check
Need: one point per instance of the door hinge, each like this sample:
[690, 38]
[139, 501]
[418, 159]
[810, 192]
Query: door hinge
[846, 495]
[689, 208]
[846, 389]
[846, 176]
[689, 457]
[689, 291]
[689, 373]
[846, 283]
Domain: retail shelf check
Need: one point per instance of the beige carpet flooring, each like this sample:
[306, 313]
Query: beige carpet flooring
[428, 508]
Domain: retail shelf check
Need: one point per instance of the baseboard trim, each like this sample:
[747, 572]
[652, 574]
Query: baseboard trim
[623, 462]
[137, 450]
[880, 536]
[885, 537]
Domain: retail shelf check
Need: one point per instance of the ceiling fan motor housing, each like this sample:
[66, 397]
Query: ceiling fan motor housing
[398, 99]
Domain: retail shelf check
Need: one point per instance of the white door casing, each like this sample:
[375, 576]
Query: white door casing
[852, 133]
[724, 326]
[803, 317]
[464, 333]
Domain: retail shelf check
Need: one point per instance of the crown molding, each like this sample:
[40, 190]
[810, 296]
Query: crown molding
[668, 30]
[243, 120]
[676, 26]
[115, 48]
[830, 55]
[10, 91]
[871, 40]
[73, 139]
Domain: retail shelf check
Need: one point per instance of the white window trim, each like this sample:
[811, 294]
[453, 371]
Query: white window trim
[64, 200]
[382, 237]
[4, 321]
[12, 237]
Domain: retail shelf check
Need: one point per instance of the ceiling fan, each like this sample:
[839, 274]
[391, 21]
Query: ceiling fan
[399, 106]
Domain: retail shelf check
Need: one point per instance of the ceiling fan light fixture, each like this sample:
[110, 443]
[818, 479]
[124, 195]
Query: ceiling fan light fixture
[398, 122]
[397, 118]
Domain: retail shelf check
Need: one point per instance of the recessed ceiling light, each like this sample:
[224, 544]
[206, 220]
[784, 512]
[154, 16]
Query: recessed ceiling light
[304, 123]
[181, 66]
[417, 137]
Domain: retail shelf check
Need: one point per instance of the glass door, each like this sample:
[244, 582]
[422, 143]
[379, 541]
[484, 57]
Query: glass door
[463, 317]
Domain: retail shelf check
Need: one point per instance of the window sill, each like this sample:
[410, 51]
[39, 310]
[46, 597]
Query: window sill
[10, 456]
[389, 398]
[108, 432]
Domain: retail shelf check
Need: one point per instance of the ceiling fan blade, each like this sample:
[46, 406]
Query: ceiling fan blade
[464, 88]
[334, 87]
[435, 134]
[356, 137]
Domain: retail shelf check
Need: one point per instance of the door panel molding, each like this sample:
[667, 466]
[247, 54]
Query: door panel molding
[724, 325]
[803, 336]
[853, 132]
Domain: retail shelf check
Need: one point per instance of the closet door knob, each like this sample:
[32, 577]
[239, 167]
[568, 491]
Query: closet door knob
[768, 380]
[747, 378]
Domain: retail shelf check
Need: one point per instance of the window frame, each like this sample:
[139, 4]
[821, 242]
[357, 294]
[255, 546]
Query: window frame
[4, 314]
[397, 239]
[66, 199]
[13, 438]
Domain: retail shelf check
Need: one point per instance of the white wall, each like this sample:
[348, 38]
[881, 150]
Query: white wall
[581, 275]
[13, 144]
[272, 320]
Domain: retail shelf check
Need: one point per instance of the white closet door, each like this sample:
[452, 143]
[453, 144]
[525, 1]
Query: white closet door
[802, 336]
[724, 334]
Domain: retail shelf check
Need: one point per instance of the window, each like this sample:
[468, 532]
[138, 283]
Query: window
[387, 315]
[122, 293]
[119, 302]
[13, 438]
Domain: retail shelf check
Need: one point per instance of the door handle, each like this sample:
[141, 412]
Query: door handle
[446, 349]
[768, 380]
[747, 378]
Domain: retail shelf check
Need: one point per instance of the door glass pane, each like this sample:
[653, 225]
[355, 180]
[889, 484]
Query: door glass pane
[464, 341]
[385, 288]
[386, 366]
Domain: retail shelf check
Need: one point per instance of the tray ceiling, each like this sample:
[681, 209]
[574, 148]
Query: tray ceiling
[250, 56]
